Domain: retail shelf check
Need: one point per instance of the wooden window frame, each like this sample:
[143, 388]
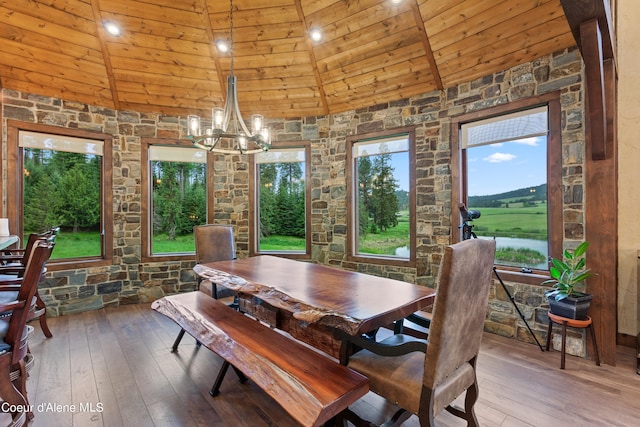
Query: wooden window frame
[253, 203]
[147, 193]
[554, 176]
[14, 189]
[350, 243]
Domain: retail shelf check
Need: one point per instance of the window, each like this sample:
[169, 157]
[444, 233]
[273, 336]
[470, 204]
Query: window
[61, 178]
[382, 193]
[175, 197]
[280, 200]
[511, 182]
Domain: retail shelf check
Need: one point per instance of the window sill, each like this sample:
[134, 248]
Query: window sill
[381, 260]
[534, 278]
[75, 264]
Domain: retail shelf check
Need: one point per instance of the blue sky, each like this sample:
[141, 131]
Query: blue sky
[495, 168]
[400, 162]
[498, 168]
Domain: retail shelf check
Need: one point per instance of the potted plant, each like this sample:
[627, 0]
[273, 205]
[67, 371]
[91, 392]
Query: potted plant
[567, 299]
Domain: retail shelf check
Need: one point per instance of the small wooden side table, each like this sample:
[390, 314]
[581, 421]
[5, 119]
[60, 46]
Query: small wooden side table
[565, 321]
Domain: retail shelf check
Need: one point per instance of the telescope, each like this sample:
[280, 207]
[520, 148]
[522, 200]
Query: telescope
[468, 214]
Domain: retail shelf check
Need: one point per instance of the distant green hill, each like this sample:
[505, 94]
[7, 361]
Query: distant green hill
[522, 195]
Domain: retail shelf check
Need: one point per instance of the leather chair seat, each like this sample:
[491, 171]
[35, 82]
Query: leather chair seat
[385, 373]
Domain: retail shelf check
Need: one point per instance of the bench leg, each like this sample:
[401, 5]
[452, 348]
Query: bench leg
[176, 343]
[221, 373]
[215, 390]
[241, 376]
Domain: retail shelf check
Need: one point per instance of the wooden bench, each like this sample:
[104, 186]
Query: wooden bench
[309, 385]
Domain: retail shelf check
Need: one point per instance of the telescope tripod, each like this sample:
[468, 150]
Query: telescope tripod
[468, 233]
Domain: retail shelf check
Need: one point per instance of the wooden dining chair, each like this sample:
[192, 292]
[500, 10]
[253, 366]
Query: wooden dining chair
[424, 377]
[214, 242]
[12, 265]
[15, 358]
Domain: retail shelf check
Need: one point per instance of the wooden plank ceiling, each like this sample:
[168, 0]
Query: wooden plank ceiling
[166, 60]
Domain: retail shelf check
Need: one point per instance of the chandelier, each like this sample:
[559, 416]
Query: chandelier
[227, 123]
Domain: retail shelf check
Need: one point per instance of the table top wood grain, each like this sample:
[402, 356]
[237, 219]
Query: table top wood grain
[346, 300]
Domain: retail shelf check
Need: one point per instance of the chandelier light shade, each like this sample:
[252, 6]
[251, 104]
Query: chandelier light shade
[227, 123]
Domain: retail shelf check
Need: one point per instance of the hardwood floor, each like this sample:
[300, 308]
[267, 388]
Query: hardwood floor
[116, 367]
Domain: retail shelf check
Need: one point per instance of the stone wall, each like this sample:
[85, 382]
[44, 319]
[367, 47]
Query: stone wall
[129, 280]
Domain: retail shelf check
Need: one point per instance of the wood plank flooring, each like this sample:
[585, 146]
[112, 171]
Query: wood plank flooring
[113, 367]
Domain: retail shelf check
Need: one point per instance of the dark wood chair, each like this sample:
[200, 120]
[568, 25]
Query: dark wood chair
[214, 242]
[12, 265]
[15, 359]
[424, 377]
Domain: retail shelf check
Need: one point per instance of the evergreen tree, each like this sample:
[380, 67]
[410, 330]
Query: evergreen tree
[384, 202]
[364, 193]
[41, 198]
[268, 213]
[78, 200]
[167, 199]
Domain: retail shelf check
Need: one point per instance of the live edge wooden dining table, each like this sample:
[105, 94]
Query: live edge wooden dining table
[311, 302]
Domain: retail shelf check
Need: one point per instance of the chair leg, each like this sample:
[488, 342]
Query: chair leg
[11, 395]
[21, 384]
[40, 305]
[469, 402]
[176, 343]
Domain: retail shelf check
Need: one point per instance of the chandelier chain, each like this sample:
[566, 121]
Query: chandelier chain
[231, 33]
[227, 123]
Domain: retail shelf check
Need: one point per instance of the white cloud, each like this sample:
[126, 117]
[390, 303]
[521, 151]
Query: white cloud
[499, 157]
[533, 141]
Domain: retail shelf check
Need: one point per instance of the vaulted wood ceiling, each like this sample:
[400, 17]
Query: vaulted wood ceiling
[166, 60]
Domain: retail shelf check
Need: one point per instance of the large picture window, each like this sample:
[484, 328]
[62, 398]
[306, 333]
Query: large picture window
[510, 181]
[280, 197]
[175, 191]
[61, 179]
[382, 194]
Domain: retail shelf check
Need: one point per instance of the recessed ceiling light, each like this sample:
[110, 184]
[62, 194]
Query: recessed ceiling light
[396, 2]
[112, 28]
[222, 46]
[315, 34]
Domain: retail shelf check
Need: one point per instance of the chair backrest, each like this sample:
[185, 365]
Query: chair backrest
[31, 240]
[459, 312]
[36, 258]
[214, 242]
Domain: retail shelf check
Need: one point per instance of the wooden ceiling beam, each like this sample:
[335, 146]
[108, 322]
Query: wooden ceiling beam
[102, 38]
[312, 58]
[427, 45]
[579, 11]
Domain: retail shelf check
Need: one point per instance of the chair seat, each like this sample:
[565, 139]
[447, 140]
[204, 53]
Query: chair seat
[4, 327]
[385, 373]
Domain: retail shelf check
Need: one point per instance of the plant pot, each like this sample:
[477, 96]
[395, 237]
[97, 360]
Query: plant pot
[573, 307]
